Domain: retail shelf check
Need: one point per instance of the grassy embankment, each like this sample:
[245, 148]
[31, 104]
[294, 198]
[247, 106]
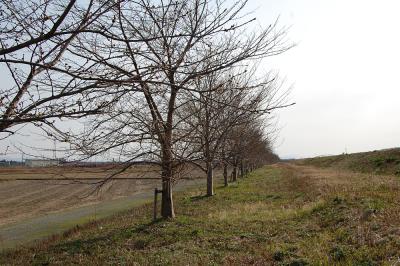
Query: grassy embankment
[284, 214]
[386, 162]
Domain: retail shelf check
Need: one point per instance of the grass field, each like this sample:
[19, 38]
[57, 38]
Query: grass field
[285, 214]
[379, 162]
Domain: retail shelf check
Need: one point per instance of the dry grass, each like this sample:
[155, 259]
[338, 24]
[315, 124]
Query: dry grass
[379, 162]
[281, 215]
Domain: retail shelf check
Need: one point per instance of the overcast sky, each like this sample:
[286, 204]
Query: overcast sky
[345, 75]
[345, 72]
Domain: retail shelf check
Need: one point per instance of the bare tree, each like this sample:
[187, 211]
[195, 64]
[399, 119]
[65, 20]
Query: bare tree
[154, 52]
[27, 23]
[46, 79]
[227, 100]
[249, 146]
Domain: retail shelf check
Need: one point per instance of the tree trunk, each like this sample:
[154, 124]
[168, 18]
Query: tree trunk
[225, 174]
[167, 204]
[241, 170]
[234, 173]
[210, 180]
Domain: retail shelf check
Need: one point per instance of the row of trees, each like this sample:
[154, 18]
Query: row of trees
[169, 82]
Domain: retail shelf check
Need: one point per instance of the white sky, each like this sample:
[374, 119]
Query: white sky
[344, 71]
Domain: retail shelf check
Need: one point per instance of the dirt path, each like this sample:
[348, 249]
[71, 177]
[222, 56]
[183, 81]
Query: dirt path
[34, 228]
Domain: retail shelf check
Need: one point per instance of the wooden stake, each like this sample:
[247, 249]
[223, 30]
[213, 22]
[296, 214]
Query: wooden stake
[156, 191]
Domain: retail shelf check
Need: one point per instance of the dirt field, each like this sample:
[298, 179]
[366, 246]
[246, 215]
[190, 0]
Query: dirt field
[21, 199]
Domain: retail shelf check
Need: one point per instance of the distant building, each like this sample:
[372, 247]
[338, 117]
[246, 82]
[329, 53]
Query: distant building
[41, 162]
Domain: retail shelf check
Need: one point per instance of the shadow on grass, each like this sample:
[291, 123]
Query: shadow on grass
[198, 198]
[104, 239]
[223, 186]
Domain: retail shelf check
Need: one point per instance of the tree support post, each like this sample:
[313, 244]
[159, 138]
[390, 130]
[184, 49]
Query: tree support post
[156, 191]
